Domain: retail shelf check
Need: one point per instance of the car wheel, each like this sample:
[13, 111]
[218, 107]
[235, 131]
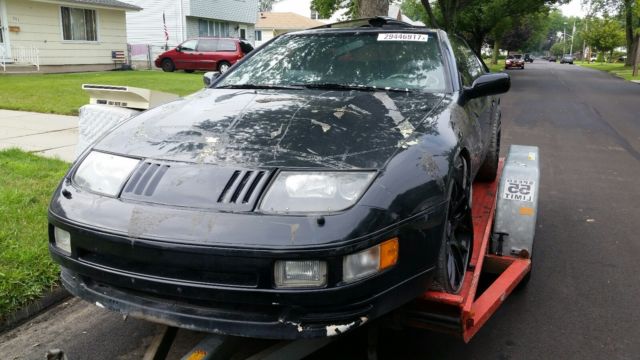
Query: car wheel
[457, 238]
[168, 65]
[489, 168]
[189, 71]
[223, 67]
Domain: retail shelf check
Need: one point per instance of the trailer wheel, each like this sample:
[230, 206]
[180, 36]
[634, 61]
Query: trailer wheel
[455, 251]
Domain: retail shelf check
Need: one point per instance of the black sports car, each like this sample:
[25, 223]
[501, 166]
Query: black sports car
[321, 182]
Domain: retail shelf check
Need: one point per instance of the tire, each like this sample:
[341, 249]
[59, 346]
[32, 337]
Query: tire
[457, 237]
[223, 66]
[489, 168]
[525, 280]
[189, 71]
[168, 65]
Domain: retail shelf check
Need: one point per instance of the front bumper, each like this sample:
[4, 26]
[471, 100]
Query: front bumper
[230, 291]
[514, 65]
[269, 322]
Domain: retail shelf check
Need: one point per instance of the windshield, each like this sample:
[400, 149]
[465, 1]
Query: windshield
[345, 60]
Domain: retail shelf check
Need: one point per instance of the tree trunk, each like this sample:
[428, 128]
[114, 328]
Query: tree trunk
[432, 19]
[635, 55]
[628, 25]
[496, 49]
[371, 8]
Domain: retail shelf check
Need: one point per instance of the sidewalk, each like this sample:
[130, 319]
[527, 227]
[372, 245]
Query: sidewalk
[49, 135]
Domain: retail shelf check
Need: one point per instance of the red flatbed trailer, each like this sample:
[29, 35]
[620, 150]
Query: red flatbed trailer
[465, 313]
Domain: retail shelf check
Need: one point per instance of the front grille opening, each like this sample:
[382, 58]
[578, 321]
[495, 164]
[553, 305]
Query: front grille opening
[252, 187]
[243, 182]
[227, 187]
[243, 187]
[146, 178]
[163, 270]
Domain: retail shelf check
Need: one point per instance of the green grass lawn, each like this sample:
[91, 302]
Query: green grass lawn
[62, 93]
[617, 69]
[26, 270]
[495, 67]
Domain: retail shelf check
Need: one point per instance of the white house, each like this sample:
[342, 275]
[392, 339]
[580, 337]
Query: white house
[187, 19]
[272, 24]
[65, 35]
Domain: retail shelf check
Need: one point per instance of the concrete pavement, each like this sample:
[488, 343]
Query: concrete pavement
[49, 135]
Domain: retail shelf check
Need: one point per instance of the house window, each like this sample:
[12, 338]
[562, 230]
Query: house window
[212, 28]
[79, 24]
[258, 35]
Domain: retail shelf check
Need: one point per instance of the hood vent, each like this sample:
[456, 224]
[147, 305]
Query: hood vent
[243, 187]
[146, 178]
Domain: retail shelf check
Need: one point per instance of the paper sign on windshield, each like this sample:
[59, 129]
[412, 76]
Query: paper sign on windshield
[403, 37]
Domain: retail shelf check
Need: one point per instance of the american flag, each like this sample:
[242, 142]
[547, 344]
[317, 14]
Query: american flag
[166, 32]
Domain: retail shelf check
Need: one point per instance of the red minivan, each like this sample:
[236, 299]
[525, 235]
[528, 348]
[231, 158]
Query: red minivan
[204, 54]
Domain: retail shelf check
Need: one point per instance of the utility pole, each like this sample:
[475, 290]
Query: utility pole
[564, 39]
[573, 32]
[586, 30]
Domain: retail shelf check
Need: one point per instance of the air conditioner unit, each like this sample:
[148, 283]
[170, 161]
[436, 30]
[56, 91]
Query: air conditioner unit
[126, 96]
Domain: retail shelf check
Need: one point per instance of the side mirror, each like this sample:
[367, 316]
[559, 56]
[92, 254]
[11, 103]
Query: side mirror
[179, 48]
[488, 84]
[209, 77]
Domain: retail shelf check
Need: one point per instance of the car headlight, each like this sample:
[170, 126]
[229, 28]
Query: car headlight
[370, 261]
[300, 274]
[295, 191]
[104, 173]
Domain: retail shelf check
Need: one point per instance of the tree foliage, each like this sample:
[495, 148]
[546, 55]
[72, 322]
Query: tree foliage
[266, 5]
[605, 34]
[626, 10]
[355, 8]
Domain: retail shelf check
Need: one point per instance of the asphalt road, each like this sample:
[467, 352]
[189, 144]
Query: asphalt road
[583, 297]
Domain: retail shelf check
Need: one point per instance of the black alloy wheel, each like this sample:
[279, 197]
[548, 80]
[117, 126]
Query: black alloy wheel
[168, 65]
[455, 251]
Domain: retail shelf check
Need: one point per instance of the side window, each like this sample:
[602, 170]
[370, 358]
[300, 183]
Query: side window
[207, 45]
[468, 63]
[189, 45]
[226, 45]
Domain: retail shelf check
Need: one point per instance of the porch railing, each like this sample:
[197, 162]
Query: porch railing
[2, 60]
[26, 55]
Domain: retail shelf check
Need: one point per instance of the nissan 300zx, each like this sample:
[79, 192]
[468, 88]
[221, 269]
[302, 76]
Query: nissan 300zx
[321, 182]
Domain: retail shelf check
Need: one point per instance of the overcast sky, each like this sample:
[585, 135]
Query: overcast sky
[572, 9]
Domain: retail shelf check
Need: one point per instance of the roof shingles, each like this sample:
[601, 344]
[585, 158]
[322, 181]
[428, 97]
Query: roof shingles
[285, 21]
[106, 3]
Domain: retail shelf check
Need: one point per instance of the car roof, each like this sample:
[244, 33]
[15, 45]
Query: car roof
[213, 38]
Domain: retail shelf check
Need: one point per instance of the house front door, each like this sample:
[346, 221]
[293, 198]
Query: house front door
[5, 49]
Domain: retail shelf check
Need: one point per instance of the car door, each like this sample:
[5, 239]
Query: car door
[479, 110]
[206, 54]
[186, 58]
[228, 51]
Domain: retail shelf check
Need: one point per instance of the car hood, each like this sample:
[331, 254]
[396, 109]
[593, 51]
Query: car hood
[275, 128]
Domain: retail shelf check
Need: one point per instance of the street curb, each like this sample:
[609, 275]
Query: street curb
[53, 297]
